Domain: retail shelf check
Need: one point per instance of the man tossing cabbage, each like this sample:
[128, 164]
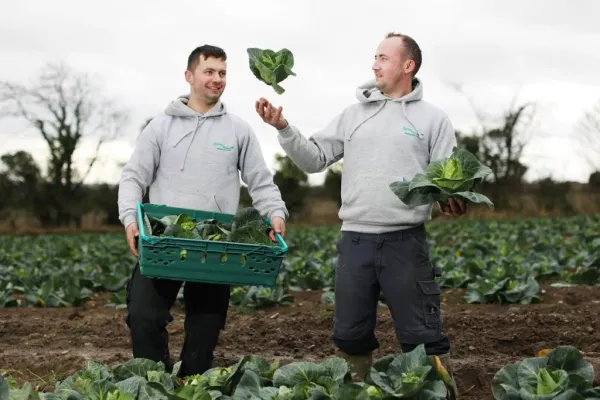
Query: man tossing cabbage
[390, 135]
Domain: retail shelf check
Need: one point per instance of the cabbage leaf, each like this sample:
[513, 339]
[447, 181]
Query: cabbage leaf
[271, 67]
[451, 177]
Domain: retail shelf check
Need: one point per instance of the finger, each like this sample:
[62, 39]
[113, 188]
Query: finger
[260, 108]
[272, 235]
[453, 206]
[277, 116]
[461, 206]
[131, 242]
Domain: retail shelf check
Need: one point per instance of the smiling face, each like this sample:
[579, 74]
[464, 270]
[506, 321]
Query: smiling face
[207, 79]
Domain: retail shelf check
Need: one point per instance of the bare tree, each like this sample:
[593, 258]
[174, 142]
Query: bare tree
[500, 140]
[588, 136]
[64, 107]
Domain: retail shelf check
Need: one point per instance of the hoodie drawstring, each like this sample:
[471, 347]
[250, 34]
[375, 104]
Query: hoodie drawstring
[200, 122]
[409, 121]
[368, 118]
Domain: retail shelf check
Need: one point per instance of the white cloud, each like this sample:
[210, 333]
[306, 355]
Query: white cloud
[138, 51]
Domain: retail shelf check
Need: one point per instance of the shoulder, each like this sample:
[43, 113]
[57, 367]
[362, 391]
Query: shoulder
[237, 121]
[160, 122]
[153, 127]
[432, 111]
[240, 127]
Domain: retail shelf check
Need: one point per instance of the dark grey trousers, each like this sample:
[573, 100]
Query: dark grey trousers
[148, 304]
[397, 264]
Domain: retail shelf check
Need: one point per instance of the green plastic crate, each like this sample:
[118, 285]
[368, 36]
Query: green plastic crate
[206, 260]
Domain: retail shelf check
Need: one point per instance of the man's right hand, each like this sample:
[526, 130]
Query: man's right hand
[132, 233]
[270, 114]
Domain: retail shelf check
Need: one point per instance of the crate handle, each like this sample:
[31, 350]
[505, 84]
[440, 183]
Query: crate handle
[282, 243]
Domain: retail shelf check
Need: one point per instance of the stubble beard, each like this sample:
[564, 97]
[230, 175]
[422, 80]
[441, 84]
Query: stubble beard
[212, 99]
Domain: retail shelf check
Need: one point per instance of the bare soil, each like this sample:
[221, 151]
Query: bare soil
[43, 345]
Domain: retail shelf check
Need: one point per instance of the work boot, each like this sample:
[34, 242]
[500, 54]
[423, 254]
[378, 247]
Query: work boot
[360, 365]
[443, 366]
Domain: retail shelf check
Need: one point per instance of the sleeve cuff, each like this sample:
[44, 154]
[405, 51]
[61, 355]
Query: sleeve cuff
[277, 213]
[129, 219]
[286, 132]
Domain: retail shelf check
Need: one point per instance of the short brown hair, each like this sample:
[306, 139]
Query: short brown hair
[206, 51]
[411, 49]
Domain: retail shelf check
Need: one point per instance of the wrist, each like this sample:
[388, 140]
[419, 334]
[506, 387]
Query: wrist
[281, 126]
[129, 219]
[276, 214]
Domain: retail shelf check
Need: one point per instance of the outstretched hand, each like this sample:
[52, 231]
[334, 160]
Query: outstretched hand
[270, 114]
[454, 207]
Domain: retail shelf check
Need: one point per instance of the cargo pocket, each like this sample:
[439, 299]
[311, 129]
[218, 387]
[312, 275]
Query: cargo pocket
[430, 300]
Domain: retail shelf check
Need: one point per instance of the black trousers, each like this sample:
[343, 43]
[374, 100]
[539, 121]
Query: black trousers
[397, 264]
[148, 304]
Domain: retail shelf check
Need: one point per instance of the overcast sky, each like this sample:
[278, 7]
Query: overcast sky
[138, 50]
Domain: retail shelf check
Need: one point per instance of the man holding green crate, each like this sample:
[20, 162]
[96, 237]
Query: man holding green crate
[389, 135]
[190, 157]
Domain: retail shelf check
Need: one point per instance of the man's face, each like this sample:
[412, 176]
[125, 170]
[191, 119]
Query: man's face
[390, 66]
[208, 80]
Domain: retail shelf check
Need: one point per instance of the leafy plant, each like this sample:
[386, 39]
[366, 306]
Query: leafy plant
[452, 177]
[271, 67]
[561, 373]
[247, 226]
[409, 375]
[507, 290]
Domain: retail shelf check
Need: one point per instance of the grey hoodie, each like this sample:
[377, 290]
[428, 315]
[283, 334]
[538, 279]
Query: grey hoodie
[192, 160]
[381, 140]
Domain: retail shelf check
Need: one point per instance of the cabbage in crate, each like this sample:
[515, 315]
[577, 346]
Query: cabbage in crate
[271, 67]
[453, 177]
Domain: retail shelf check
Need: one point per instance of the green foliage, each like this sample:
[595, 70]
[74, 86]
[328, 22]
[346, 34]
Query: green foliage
[271, 67]
[292, 182]
[452, 177]
[247, 226]
[561, 374]
[495, 261]
[252, 378]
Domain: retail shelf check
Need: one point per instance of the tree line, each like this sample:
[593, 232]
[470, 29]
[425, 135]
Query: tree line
[64, 108]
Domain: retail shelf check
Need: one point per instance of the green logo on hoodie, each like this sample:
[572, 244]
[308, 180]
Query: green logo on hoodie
[409, 131]
[222, 147]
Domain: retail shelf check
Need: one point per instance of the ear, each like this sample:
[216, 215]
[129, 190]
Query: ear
[409, 66]
[189, 77]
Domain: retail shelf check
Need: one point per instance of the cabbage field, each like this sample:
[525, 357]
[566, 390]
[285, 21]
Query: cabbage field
[510, 289]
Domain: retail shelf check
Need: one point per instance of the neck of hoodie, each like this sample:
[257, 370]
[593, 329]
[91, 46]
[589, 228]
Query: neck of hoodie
[199, 106]
[402, 89]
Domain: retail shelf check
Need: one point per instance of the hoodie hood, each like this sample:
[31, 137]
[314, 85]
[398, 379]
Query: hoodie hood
[367, 93]
[179, 108]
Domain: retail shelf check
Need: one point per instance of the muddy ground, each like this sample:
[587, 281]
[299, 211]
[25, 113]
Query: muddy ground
[42, 345]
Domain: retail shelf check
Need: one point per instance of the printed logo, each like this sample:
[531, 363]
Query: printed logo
[222, 147]
[409, 131]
